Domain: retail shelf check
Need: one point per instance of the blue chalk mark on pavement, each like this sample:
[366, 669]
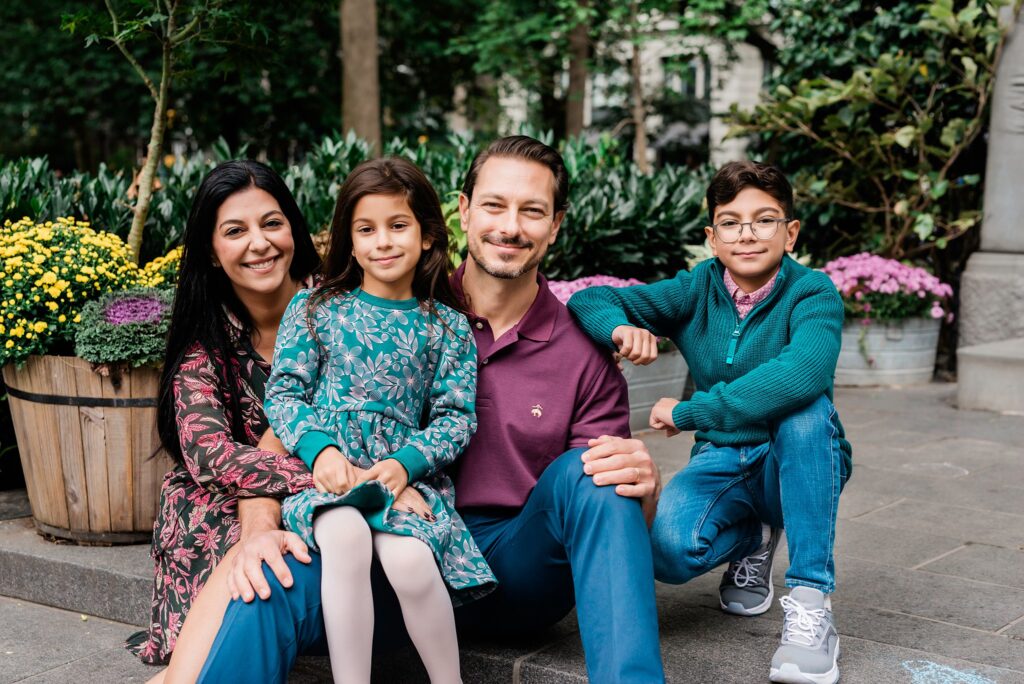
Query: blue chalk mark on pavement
[927, 672]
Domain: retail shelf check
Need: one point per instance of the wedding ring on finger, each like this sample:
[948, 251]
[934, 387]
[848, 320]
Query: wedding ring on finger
[637, 478]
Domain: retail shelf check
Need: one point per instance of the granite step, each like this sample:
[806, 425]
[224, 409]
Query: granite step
[991, 376]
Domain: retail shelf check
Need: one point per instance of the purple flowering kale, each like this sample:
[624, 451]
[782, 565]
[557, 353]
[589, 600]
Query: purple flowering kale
[134, 310]
[127, 327]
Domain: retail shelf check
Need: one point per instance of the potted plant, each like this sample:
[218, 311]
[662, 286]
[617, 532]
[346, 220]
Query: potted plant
[647, 384]
[86, 427]
[893, 315]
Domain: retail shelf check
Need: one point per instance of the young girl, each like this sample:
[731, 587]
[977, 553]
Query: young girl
[361, 364]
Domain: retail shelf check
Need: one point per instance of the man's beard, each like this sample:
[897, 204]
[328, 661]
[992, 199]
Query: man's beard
[501, 270]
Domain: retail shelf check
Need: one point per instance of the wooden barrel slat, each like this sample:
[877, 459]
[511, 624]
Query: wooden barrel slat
[148, 468]
[119, 457]
[92, 425]
[71, 451]
[87, 468]
[44, 447]
[20, 418]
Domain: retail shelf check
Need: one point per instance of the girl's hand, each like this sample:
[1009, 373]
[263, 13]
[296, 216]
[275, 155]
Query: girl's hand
[411, 501]
[661, 417]
[636, 344]
[333, 473]
[390, 472]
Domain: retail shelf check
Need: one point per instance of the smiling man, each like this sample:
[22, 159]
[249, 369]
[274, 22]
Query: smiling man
[552, 488]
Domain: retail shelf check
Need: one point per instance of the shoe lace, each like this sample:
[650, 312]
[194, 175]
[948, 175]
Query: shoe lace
[747, 571]
[801, 624]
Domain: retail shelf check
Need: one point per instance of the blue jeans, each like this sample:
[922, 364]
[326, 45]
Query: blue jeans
[711, 512]
[572, 542]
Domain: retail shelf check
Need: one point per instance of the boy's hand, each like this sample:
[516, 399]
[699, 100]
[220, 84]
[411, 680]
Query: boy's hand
[661, 416]
[390, 472]
[636, 344]
[333, 473]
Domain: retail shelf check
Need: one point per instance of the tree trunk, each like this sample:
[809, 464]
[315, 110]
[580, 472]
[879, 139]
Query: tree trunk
[156, 142]
[360, 81]
[579, 39]
[1005, 165]
[637, 91]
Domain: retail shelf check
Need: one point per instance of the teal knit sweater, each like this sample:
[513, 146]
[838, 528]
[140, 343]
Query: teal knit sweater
[747, 373]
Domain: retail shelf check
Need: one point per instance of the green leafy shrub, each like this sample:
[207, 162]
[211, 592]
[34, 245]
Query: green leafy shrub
[128, 327]
[621, 222]
[885, 144]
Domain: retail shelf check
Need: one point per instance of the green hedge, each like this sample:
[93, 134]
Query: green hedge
[621, 222]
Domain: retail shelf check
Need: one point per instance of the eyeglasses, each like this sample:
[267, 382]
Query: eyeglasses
[730, 230]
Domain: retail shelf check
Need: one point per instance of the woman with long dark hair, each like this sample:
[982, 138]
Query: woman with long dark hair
[247, 251]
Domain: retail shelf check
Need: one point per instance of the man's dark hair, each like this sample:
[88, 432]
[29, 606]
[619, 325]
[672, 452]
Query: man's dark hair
[738, 175]
[529, 149]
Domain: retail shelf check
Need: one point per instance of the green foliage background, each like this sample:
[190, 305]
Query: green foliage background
[621, 222]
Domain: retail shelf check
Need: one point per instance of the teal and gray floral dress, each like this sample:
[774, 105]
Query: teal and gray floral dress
[366, 379]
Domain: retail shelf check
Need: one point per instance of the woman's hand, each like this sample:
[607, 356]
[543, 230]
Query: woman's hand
[636, 344]
[411, 501]
[390, 472]
[333, 473]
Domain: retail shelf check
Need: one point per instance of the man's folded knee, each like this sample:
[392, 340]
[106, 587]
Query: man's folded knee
[305, 579]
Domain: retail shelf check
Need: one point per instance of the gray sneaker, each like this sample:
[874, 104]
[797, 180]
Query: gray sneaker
[809, 651]
[746, 587]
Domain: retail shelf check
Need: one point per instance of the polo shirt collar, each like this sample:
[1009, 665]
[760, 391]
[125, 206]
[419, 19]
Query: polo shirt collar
[537, 323]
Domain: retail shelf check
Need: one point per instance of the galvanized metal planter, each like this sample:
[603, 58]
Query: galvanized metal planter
[888, 353]
[647, 384]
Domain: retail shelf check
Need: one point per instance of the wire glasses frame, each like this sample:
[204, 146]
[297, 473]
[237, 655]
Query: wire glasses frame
[730, 230]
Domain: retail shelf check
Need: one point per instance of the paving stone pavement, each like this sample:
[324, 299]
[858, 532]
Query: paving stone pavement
[929, 558]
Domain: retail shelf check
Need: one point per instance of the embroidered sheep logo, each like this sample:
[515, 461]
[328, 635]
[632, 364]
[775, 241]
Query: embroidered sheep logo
[537, 410]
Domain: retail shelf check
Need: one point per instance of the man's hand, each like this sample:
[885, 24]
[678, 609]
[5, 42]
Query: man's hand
[390, 472]
[661, 416]
[636, 344]
[246, 578]
[628, 465]
[411, 501]
[333, 473]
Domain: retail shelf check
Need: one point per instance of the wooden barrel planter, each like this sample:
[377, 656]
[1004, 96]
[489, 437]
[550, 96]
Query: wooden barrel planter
[87, 445]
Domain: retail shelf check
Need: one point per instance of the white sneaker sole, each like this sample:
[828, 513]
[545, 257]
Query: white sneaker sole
[790, 673]
[759, 609]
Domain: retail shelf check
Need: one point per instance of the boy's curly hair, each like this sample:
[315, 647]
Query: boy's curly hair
[738, 175]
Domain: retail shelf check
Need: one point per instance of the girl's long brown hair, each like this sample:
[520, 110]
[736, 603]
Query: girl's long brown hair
[387, 176]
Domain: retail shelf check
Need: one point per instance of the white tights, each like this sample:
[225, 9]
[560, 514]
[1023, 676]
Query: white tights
[347, 545]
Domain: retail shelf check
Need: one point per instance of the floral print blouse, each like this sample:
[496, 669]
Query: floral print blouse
[197, 522]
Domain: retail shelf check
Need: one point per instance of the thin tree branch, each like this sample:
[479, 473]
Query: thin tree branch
[116, 40]
[186, 32]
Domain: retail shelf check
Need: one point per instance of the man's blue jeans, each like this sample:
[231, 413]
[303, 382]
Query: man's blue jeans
[711, 512]
[571, 539]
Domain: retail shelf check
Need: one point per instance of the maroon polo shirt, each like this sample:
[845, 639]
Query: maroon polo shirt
[542, 388]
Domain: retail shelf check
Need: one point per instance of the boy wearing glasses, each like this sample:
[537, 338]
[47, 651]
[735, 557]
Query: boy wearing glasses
[761, 336]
